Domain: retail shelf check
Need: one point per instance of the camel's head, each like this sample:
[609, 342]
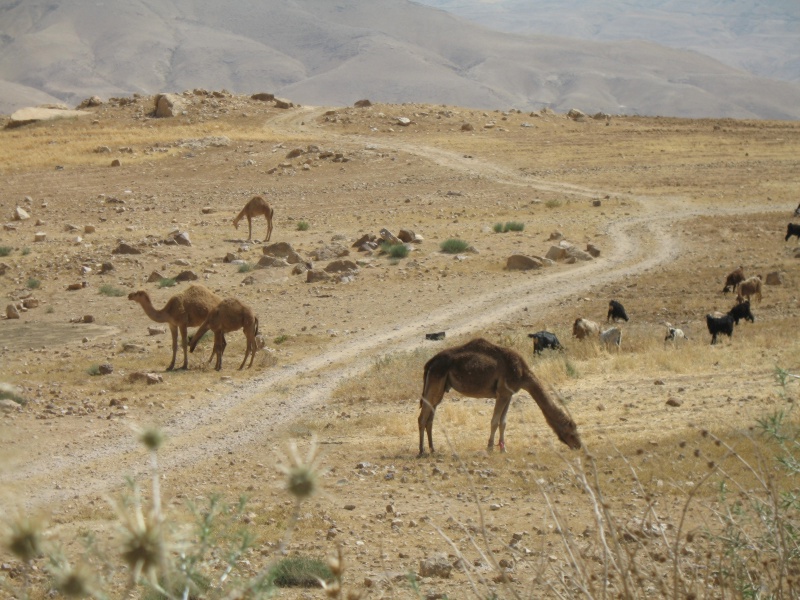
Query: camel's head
[137, 296]
[569, 435]
[236, 223]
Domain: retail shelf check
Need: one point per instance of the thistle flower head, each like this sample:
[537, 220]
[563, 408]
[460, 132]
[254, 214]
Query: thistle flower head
[302, 473]
[75, 582]
[24, 539]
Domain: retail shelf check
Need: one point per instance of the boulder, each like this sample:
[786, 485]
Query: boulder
[330, 252]
[20, 214]
[520, 262]
[124, 248]
[186, 276]
[437, 566]
[409, 237]
[168, 105]
[12, 312]
[272, 261]
[283, 103]
[578, 254]
[576, 115]
[362, 103]
[263, 96]
[556, 253]
[774, 278]
[341, 266]
[315, 276]
[389, 237]
[182, 238]
[593, 250]
[282, 250]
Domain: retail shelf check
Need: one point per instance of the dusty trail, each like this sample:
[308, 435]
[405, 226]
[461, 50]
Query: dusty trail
[249, 413]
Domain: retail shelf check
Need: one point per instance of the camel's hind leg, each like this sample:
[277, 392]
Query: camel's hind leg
[499, 416]
[268, 215]
[173, 329]
[185, 346]
[432, 394]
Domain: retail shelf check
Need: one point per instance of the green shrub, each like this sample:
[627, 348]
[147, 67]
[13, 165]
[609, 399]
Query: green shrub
[50, 310]
[303, 226]
[5, 250]
[299, 571]
[553, 203]
[395, 250]
[167, 282]
[33, 283]
[280, 339]
[109, 290]
[245, 267]
[498, 228]
[26, 251]
[453, 246]
[515, 226]
[93, 370]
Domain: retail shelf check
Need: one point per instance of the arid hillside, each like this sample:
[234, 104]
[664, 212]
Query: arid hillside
[652, 212]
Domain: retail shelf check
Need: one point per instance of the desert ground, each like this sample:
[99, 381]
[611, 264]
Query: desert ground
[673, 206]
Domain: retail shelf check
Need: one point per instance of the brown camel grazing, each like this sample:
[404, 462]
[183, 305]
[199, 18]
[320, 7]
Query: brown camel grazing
[229, 315]
[186, 309]
[480, 369]
[255, 207]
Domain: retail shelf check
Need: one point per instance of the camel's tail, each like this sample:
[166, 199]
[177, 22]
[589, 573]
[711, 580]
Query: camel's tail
[256, 331]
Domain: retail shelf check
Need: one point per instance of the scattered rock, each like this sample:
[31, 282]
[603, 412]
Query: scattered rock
[774, 278]
[340, 266]
[77, 286]
[12, 312]
[283, 250]
[314, 276]
[186, 276]
[272, 261]
[674, 402]
[362, 103]
[437, 566]
[39, 236]
[106, 267]
[520, 262]
[182, 239]
[30, 303]
[556, 253]
[593, 250]
[263, 96]
[467, 127]
[105, 369]
[148, 378]
[124, 248]
[155, 277]
[156, 330]
[20, 214]
[168, 105]
[116, 163]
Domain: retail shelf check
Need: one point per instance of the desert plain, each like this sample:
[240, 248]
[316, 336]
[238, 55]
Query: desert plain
[672, 206]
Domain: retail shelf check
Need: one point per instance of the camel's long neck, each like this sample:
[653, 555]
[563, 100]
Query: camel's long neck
[159, 316]
[240, 215]
[552, 412]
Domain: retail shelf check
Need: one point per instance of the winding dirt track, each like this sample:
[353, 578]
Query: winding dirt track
[250, 412]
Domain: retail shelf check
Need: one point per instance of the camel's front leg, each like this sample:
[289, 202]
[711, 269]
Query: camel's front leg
[249, 229]
[499, 418]
[425, 421]
[173, 329]
[185, 345]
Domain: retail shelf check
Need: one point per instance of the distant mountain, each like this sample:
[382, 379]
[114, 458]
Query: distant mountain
[756, 36]
[334, 53]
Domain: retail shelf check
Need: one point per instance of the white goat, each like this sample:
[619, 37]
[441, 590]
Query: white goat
[611, 336]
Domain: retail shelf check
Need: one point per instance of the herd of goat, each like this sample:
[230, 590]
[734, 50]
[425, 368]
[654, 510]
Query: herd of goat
[718, 323]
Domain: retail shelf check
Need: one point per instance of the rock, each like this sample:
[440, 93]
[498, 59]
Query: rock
[207, 210]
[283, 103]
[271, 261]
[7, 405]
[578, 254]
[148, 378]
[182, 239]
[438, 566]
[155, 277]
[89, 229]
[362, 103]
[30, 303]
[156, 330]
[301, 268]
[39, 236]
[576, 115]
[12, 312]
[77, 286]
[596, 202]
[230, 257]
[87, 319]
[129, 347]
[774, 278]
[124, 248]
[556, 235]
[674, 402]
[467, 127]
[593, 250]
[90, 102]
[295, 152]
[106, 267]
[26, 116]
[389, 237]
[102, 150]
[403, 121]
[330, 252]
[283, 250]
[364, 239]
[168, 105]
[116, 163]
[3, 268]
[409, 237]
[263, 96]
[186, 276]
[520, 262]
[340, 266]
[314, 276]
[20, 214]
[556, 253]
[105, 369]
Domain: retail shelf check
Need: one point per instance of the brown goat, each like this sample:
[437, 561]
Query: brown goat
[750, 287]
[733, 280]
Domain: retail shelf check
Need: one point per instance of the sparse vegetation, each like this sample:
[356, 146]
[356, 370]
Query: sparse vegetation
[109, 290]
[93, 370]
[280, 339]
[509, 226]
[167, 282]
[5, 250]
[299, 571]
[553, 203]
[303, 226]
[33, 283]
[26, 251]
[394, 250]
[453, 246]
[245, 267]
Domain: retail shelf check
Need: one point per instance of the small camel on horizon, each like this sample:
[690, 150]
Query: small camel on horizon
[255, 207]
[480, 369]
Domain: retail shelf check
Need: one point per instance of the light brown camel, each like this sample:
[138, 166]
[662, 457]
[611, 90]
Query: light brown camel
[229, 315]
[480, 369]
[255, 207]
[186, 309]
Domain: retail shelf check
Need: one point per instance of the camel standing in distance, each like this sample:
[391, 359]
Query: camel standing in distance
[229, 315]
[480, 369]
[255, 207]
[186, 309]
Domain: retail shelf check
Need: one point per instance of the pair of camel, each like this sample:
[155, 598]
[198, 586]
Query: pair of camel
[197, 305]
[480, 369]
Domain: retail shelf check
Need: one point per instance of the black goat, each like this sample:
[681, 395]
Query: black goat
[719, 325]
[616, 311]
[543, 340]
[792, 229]
[742, 311]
